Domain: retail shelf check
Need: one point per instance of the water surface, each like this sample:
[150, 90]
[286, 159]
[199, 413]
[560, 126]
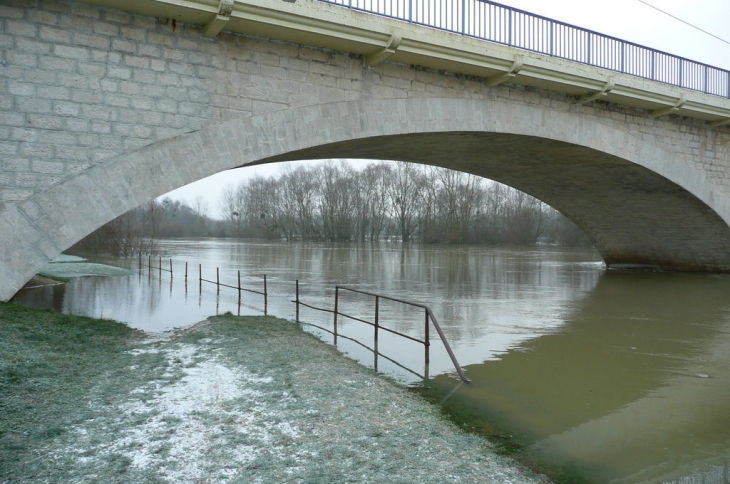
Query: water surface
[616, 377]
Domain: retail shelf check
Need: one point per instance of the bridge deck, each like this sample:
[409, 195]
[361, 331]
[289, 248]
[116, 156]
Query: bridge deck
[377, 38]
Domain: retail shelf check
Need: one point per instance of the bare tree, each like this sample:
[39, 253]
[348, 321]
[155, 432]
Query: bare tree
[404, 198]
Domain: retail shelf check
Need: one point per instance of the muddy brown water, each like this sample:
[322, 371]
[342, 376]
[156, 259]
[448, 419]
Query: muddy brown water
[617, 377]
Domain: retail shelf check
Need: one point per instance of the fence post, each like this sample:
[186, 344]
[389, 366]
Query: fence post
[140, 261]
[149, 263]
[186, 273]
[377, 322]
[200, 277]
[266, 297]
[170, 268]
[218, 279]
[337, 297]
[427, 341]
[239, 287]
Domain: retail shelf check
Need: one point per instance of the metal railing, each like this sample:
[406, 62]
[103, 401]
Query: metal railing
[241, 289]
[498, 23]
[429, 317]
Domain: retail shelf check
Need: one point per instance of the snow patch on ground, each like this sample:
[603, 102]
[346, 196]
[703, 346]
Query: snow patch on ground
[181, 425]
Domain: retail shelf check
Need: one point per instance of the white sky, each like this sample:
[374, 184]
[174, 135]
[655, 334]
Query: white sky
[629, 20]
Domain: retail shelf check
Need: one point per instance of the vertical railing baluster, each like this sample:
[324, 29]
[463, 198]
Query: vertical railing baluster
[463, 16]
[509, 27]
[552, 38]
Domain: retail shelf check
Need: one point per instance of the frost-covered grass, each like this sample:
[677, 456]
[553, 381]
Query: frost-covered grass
[233, 400]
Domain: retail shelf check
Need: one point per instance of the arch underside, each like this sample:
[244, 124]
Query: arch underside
[635, 217]
[643, 205]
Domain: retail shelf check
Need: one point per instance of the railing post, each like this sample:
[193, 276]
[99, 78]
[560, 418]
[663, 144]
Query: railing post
[337, 298]
[149, 263]
[552, 38]
[200, 278]
[266, 298]
[653, 65]
[509, 28]
[588, 49]
[239, 287]
[218, 279]
[463, 17]
[623, 57]
[159, 266]
[707, 75]
[377, 320]
[186, 273]
[297, 299]
[170, 268]
[681, 73]
[427, 345]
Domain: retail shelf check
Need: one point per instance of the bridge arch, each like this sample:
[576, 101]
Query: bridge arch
[641, 204]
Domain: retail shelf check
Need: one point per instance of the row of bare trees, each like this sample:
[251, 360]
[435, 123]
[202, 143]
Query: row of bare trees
[333, 201]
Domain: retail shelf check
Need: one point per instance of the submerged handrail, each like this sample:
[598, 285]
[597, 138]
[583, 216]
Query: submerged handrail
[429, 317]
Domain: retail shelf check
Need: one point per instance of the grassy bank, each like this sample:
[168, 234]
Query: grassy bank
[48, 362]
[232, 400]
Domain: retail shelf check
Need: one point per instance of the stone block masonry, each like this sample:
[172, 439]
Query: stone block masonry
[83, 84]
[102, 110]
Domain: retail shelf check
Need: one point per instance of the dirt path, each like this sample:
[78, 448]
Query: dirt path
[258, 400]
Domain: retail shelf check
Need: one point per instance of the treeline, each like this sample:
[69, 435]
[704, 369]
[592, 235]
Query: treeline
[333, 201]
[137, 231]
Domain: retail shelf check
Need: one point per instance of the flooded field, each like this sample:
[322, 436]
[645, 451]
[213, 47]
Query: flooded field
[613, 377]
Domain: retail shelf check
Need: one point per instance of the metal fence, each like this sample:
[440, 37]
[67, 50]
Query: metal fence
[498, 23]
[158, 265]
[429, 320]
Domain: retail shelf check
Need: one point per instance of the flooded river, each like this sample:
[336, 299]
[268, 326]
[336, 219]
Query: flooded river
[612, 377]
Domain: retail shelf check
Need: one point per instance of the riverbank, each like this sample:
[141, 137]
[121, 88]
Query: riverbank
[251, 399]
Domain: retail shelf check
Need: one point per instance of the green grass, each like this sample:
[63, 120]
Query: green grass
[47, 362]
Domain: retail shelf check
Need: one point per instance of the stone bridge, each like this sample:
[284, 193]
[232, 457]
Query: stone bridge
[103, 109]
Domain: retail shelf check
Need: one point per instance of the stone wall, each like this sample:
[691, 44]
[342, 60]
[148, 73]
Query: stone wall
[82, 84]
[101, 111]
